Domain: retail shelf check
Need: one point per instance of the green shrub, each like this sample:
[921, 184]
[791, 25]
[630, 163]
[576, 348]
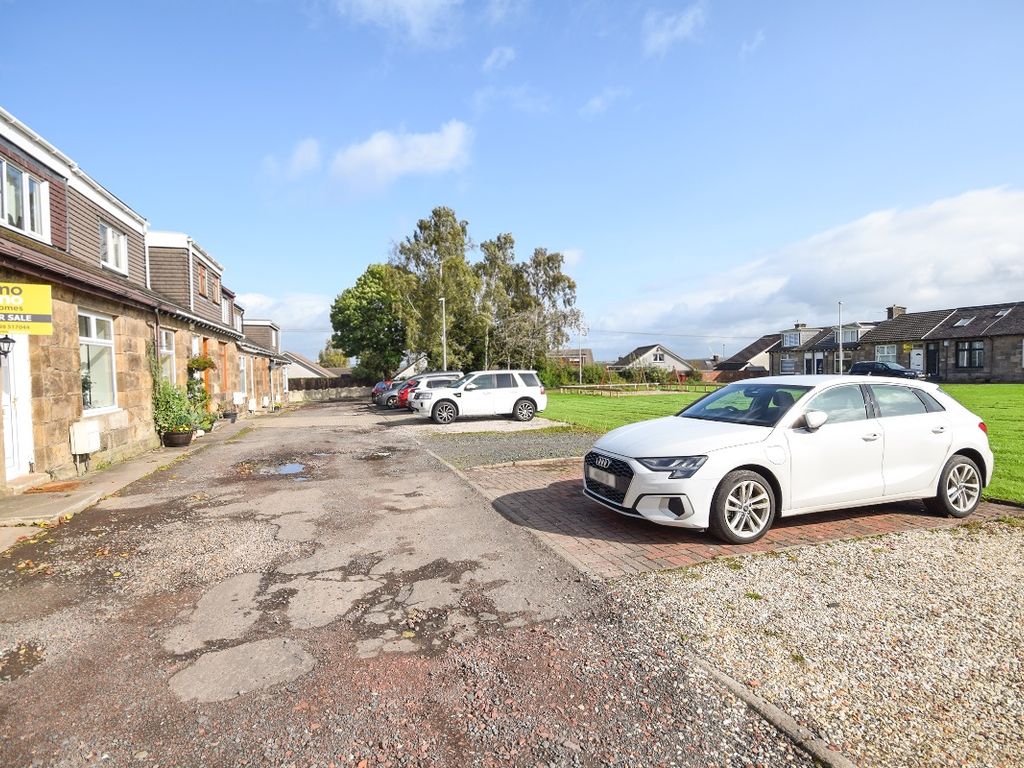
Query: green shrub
[172, 409]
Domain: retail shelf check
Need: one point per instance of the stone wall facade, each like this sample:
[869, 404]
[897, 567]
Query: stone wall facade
[126, 430]
[1004, 359]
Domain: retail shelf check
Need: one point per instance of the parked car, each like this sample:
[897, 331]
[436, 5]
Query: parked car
[429, 382]
[748, 453]
[518, 394]
[378, 388]
[402, 401]
[389, 396]
[876, 368]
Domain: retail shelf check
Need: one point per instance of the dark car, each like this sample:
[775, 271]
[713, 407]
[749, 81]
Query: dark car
[875, 368]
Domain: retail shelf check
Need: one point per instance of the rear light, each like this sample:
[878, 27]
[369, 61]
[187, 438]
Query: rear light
[982, 427]
[542, 389]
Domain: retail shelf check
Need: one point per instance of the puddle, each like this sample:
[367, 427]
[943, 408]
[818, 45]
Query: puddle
[288, 469]
[19, 661]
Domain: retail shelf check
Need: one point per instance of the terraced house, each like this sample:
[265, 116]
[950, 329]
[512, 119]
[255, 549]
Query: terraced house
[77, 383]
[966, 344]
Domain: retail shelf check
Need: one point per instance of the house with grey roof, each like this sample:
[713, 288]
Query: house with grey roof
[816, 350]
[755, 357]
[966, 344]
[652, 356]
[301, 367]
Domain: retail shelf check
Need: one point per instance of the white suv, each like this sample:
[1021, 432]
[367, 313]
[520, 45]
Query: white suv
[518, 394]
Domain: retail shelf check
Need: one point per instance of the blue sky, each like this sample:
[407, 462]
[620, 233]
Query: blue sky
[712, 170]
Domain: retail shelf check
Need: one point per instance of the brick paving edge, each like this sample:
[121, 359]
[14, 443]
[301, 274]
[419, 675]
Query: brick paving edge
[801, 737]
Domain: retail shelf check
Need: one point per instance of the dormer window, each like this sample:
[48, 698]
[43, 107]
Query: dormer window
[851, 336]
[113, 248]
[201, 280]
[791, 339]
[23, 201]
[963, 321]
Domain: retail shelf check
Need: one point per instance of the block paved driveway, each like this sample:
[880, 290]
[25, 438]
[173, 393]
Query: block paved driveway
[547, 497]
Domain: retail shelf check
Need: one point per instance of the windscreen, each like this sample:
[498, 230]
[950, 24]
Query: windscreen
[760, 405]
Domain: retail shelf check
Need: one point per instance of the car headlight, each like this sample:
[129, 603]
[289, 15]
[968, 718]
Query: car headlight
[680, 467]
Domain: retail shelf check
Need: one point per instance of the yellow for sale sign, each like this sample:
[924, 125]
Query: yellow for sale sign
[26, 308]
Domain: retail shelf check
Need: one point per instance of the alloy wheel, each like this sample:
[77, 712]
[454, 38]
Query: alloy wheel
[963, 486]
[444, 413]
[748, 508]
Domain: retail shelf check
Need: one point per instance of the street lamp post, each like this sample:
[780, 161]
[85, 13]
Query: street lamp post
[444, 337]
[840, 337]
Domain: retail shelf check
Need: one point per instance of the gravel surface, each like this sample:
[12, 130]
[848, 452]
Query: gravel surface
[904, 650]
[475, 450]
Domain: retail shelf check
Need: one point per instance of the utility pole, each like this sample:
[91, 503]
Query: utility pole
[444, 320]
[840, 337]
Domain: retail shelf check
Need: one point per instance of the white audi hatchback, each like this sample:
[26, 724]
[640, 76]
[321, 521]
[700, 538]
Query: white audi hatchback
[787, 445]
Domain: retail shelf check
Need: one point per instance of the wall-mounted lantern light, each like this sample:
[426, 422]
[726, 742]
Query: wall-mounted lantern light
[6, 345]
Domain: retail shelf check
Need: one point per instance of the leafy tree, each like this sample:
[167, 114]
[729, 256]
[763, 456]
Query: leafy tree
[332, 358]
[368, 320]
[434, 256]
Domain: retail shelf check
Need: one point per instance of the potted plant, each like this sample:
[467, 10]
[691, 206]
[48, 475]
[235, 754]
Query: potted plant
[173, 415]
[200, 363]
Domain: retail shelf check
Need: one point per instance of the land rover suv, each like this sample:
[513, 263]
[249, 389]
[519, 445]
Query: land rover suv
[518, 394]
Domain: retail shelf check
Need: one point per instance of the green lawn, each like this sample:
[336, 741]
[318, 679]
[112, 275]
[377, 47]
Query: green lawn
[1000, 405]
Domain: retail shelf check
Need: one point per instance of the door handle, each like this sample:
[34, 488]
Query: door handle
[938, 430]
[870, 437]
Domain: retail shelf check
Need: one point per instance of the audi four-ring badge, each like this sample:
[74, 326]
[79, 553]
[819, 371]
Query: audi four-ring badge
[772, 447]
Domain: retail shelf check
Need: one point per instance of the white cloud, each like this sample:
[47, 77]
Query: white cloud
[600, 103]
[957, 251]
[522, 98]
[386, 156]
[499, 58]
[305, 158]
[425, 22]
[663, 30]
[304, 318]
[750, 47]
[573, 256]
[499, 11]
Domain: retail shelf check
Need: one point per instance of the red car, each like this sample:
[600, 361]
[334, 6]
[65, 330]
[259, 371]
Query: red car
[403, 393]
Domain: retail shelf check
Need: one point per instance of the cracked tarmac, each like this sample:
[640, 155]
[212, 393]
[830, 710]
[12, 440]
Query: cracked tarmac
[215, 597]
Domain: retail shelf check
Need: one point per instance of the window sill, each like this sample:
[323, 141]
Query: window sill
[91, 412]
[112, 268]
[44, 239]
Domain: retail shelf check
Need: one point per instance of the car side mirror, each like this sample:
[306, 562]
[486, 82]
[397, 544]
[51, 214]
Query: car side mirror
[471, 387]
[815, 420]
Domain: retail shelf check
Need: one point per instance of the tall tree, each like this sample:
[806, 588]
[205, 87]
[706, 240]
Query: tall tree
[369, 322]
[435, 257]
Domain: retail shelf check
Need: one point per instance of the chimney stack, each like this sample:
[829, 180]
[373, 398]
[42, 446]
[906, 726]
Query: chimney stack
[799, 325]
[895, 311]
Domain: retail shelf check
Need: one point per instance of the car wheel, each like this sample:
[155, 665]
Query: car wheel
[523, 410]
[391, 401]
[444, 413]
[743, 508]
[959, 491]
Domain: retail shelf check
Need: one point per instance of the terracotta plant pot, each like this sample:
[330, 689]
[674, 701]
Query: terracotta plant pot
[177, 439]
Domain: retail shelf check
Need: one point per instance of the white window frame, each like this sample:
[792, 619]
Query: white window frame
[43, 210]
[113, 241]
[95, 341]
[851, 335]
[886, 353]
[791, 339]
[225, 312]
[658, 357]
[167, 355]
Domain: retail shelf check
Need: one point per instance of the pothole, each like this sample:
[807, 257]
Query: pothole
[20, 660]
[292, 468]
[379, 454]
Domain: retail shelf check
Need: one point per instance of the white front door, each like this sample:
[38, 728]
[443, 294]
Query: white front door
[17, 409]
[917, 359]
